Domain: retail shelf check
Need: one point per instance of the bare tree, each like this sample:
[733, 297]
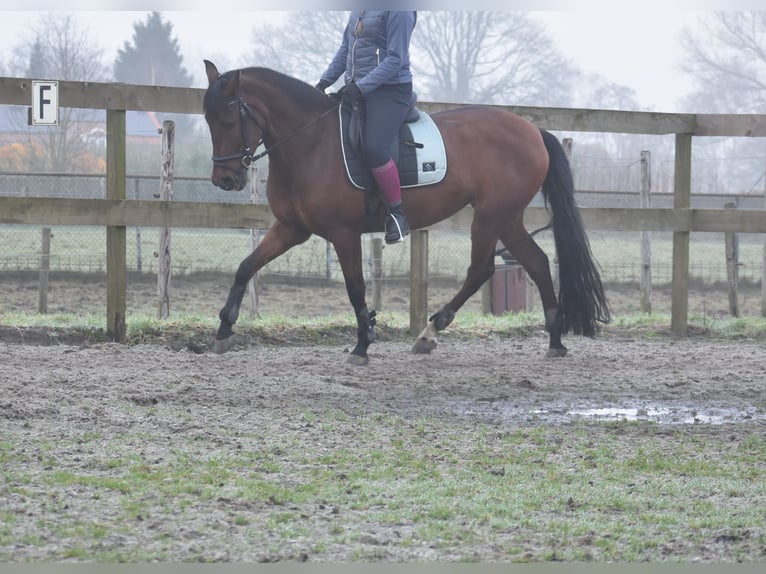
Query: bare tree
[596, 92]
[490, 57]
[58, 49]
[727, 59]
[726, 56]
[464, 57]
[301, 46]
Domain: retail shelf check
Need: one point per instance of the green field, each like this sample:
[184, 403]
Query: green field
[574, 494]
[82, 249]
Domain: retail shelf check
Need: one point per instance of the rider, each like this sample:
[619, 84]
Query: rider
[374, 54]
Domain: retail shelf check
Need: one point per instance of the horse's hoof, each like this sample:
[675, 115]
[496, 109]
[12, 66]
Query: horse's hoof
[357, 361]
[556, 352]
[423, 346]
[223, 345]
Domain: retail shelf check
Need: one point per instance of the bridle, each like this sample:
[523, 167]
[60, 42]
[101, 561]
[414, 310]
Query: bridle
[246, 155]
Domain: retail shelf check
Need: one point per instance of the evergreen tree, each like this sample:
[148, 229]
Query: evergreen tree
[152, 57]
[37, 62]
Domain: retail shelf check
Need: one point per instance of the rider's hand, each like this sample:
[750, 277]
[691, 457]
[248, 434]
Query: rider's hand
[351, 93]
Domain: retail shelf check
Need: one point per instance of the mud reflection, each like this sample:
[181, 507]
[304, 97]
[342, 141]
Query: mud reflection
[664, 415]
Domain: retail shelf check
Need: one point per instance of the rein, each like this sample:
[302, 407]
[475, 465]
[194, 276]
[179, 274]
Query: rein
[246, 156]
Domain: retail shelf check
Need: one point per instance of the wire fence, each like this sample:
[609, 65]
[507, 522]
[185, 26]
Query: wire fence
[81, 249]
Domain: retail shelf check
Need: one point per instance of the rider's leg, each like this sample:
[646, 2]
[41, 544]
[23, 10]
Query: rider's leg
[385, 110]
[387, 178]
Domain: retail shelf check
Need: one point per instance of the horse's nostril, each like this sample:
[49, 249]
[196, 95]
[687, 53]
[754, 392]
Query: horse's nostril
[225, 183]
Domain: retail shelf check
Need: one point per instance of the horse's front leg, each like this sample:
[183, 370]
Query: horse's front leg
[365, 335]
[348, 247]
[277, 240]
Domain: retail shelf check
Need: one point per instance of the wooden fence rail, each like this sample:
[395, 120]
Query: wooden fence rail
[116, 212]
[149, 213]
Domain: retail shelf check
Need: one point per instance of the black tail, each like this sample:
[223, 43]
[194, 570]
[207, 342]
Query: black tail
[582, 302]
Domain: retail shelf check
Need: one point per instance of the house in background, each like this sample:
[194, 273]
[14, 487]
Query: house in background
[141, 127]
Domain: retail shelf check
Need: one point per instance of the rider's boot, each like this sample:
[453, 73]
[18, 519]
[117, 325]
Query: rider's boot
[387, 178]
[397, 227]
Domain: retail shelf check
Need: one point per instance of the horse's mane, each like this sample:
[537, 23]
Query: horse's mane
[304, 95]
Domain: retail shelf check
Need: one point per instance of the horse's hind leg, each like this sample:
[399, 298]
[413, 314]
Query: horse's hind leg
[535, 262]
[482, 267]
[277, 240]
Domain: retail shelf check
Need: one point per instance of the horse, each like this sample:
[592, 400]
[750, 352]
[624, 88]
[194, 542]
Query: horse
[497, 162]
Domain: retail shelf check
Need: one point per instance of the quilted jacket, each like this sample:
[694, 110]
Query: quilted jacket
[374, 50]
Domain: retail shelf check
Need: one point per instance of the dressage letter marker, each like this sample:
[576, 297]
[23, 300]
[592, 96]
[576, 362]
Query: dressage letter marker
[45, 103]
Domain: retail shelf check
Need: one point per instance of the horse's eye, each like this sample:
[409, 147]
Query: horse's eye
[220, 120]
[227, 119]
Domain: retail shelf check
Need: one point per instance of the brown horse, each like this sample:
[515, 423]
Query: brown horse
[497, 162]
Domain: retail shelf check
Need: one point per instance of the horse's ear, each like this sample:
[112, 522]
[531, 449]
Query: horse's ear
[212, 72]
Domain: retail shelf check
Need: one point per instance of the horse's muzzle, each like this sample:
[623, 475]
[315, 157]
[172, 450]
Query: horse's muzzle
[225, 183]
[235, 181]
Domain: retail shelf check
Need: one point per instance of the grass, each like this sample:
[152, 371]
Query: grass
[83, 248]
[279, 329]
[414, 489]
[607, 492]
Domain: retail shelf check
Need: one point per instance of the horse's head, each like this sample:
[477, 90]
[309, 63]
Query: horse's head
[235, 128]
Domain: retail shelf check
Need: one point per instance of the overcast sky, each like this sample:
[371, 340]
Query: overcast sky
[636, 48]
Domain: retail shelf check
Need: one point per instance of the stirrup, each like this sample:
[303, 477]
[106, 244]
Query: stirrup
[396, 232]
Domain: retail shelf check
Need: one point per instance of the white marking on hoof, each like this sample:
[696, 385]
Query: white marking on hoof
[426, 341]
[223, 345]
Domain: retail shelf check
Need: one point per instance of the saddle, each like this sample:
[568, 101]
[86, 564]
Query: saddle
[420, 156]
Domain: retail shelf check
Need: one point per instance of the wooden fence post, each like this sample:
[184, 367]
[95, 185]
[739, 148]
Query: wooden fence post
[139, 251]
[732, 266]
[376, 244]
[568, 144]
[45, 266]
[486, 297]
[253, 286]
[418, 281]
[164, 267]
[646, 236]
[763, 264]
[116, 284]
[679, 310]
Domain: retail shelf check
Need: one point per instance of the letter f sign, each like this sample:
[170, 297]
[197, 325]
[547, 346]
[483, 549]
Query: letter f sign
[45, 103]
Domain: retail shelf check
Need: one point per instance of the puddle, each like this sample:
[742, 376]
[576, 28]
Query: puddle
[665, 415]
[660, 414]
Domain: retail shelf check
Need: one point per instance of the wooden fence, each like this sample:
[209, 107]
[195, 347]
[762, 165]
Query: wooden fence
[116, 212]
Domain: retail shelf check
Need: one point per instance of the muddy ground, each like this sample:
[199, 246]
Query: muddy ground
[85, 411]
[705, 388]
